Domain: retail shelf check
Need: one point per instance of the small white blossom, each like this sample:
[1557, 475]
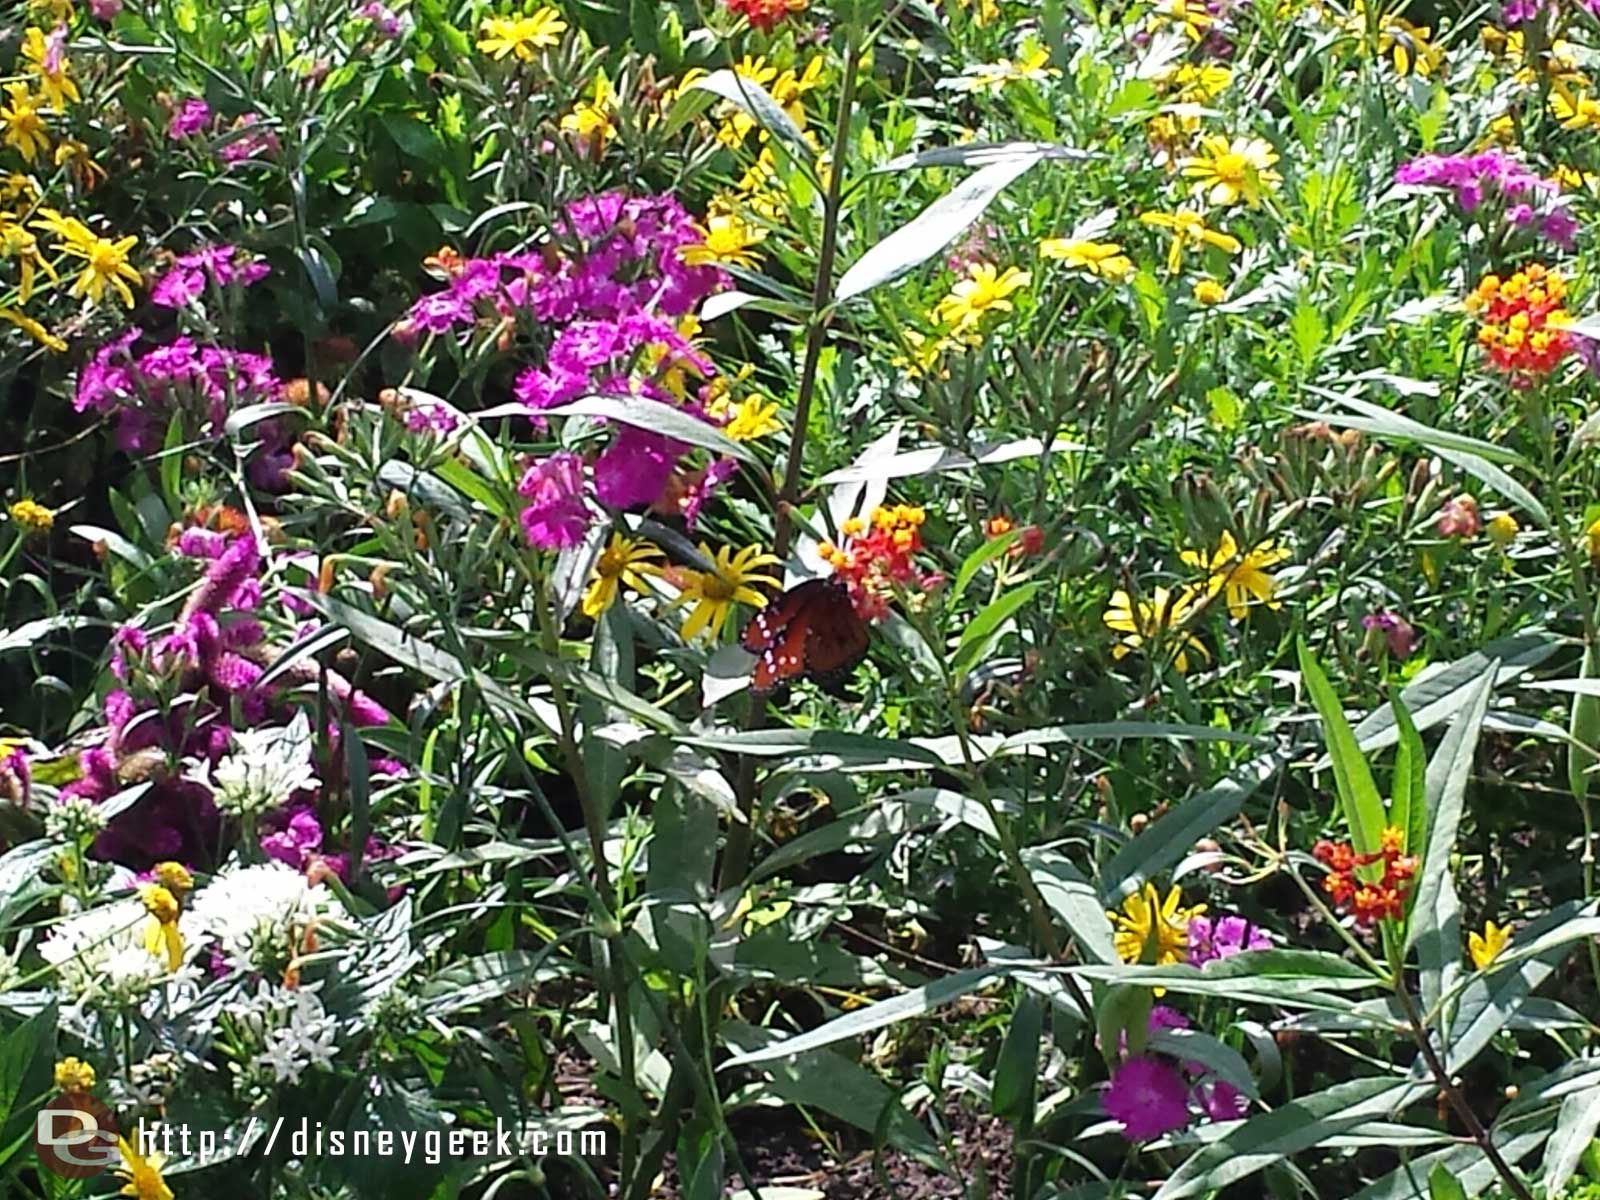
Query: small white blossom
[259, 914]
[102, 952]
[74, 819]
[264, 768]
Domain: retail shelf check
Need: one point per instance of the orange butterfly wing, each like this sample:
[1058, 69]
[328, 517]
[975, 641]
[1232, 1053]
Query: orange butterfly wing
[811, 630]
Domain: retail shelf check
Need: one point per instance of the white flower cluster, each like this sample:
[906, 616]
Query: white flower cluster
[100, 954]
[258, 915]
[75, 819]
[264, 768]
[280, 1034]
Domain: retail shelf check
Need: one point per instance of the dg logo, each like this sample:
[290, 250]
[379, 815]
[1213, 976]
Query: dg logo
[75, 1136]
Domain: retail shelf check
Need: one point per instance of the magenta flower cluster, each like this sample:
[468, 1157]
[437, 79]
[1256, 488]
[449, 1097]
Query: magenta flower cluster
[1223, 937]
[204, 382]
[613, 281]
[210, 667]
[1150, 1094]
[1495, 176]
[222, 265]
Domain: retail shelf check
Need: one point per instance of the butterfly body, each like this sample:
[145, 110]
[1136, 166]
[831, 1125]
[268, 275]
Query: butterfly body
[812, 631]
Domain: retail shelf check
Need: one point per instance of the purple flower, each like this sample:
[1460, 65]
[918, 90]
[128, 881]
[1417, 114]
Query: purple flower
[431, 418]
[556, 516]
[1560, 227]
[1220, 1101]
[1223, 937]
[384, 21]
[192, 116]
[1398, 635]
[247, 141]
[225, 579]
[105, 11]
[1149, 1097]
[634, 469]
[178, 288]
[294, 843]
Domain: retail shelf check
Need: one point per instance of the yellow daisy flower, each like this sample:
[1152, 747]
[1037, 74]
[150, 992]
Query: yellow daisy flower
[1104, 259]
[1143, 624]
[1487, 946]
[732, 580]
[985, 290]
[623, 561]
[1226, 172]
[522, 36]
[1242, 577]
[1151, 930]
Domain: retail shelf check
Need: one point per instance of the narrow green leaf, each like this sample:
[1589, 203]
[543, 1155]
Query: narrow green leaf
[1168, 840]
[1408, 810]
[985, 629]
[1016, 1071]
[1358, 794]
[1583, 726]
[991, 549]
[644, 413]
[756, 103]
[915, 1003]
[934, 228]
[1575, 1129]
[1446, 786]
[1253, 1144]
[1444, 1186]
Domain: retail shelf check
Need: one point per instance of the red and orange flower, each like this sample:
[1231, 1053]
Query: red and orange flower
[1523, 321]
[1369, 900]
[879, 557]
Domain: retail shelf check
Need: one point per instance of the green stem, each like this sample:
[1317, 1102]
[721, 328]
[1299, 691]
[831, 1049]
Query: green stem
[610, 922]
[736, 856]
[1458, 1101]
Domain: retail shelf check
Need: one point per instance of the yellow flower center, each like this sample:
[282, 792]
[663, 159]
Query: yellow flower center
[717, 589]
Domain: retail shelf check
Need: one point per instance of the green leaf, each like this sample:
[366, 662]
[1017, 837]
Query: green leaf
[1051, 735]
[1440, 694]
[358, 774]
[18, 1052]
[856, 749]
[986, 553]
[1489, 1001]
[936, 460]
[930, 231]
[1408, 810]
[1438, 942]
[1016, 1071]
[984, 154]
[1472, 456]
[1358, 794]
[985, 629]
[1223, 1061]
[423, 657]
[1258, 1142]
[1443, 1186]
[1583, 726]
[1167, 841]
[1075, 901]
[643, 413]
[750, 98]
[915, 1003]
[1575, 1129]
[172, 463]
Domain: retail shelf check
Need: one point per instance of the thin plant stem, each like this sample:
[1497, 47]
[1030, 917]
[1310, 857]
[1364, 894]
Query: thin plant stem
[1453, 1094]
[736, 855]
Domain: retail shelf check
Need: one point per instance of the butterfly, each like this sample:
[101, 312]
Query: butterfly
[812, 631]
